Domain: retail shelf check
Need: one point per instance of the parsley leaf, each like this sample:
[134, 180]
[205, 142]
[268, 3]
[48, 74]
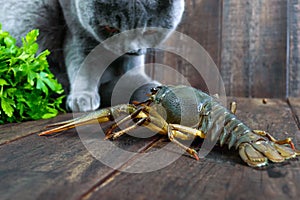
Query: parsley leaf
[27, 87]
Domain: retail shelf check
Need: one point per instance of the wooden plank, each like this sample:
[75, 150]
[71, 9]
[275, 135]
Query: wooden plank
[295, 106]
[294, 48]
[202, 22]
[59, 167]
[11, 132]
[221, 175]
[254, 48]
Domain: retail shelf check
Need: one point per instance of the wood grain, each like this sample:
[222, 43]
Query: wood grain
[254, 44]
[59, 167]
[294, 48]
[11, 132]
[202, 23]
[295, 107]
[254, 48]
[221, 175]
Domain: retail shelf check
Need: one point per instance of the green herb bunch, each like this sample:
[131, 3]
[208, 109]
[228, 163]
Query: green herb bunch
[26, 84]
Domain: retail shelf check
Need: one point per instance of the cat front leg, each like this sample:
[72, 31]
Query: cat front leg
[84, 77]
[125, 80]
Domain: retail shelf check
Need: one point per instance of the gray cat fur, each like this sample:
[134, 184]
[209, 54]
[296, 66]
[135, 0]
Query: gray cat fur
[70, 29]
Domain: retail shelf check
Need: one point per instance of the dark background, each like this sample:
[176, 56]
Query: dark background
[253, 43]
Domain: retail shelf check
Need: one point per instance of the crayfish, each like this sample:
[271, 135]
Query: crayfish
[190, 113]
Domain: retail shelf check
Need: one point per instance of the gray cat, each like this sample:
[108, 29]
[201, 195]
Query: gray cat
[70, 29]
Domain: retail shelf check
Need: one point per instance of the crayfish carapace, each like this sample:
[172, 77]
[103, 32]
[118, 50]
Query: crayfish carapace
[190, 113]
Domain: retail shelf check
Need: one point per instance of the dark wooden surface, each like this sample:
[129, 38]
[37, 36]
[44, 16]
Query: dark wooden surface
[255, 45]
[294, 47]
[60, 167]
[202, 22]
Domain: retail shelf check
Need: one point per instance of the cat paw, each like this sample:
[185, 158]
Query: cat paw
[83, 101]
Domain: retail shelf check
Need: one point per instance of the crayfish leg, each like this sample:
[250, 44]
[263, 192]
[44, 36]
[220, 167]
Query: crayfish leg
[271, 138]
[137, 114]
[173, 133]
[115, 135]
[233, 107]
[189, 150]
[190, 131]
[115, 125]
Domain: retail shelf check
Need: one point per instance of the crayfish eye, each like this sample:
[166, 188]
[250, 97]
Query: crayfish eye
[154, 90]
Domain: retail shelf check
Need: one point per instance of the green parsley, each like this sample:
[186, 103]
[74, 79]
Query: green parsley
[27, 87]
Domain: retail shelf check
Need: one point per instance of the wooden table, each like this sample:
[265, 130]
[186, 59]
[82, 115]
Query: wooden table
[60, 167]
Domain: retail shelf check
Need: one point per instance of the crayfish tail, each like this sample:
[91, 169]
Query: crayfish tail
[257, 154]
[251, 156]
[286, 151]
[267, 148]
